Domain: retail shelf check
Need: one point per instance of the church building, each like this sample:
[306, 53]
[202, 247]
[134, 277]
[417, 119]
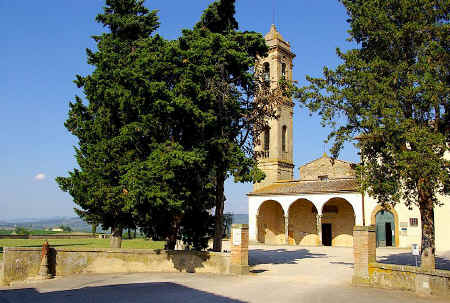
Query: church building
[324, 204]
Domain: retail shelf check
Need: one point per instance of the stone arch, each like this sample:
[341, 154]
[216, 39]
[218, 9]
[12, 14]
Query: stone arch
[270, 222]
[373, 220]
[339, 216]
[302, 220]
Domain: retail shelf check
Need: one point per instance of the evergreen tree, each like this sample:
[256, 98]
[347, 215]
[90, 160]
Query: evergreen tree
[109, 138]
[219, 77]
[393, 91]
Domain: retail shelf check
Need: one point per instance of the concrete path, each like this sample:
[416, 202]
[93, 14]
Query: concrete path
[278, 274]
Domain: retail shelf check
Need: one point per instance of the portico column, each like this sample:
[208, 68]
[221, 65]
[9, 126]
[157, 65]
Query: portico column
[319, 228]
[286, 229]
[258, 228]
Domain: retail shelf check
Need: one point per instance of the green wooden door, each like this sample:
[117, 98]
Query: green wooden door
[385, 228]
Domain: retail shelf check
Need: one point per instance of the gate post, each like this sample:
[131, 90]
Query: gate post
[239, 249]
[364, 252]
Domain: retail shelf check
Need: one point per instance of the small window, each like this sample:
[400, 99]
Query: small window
[330, 209]
[283, 70]
[413, 222]
[283, 138]
[266, 74]
[323, 178]
[266, 139]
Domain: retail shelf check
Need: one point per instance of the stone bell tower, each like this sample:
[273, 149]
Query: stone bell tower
[276, 143]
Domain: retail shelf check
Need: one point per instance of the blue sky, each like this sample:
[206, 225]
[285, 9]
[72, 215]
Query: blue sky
[43, 47]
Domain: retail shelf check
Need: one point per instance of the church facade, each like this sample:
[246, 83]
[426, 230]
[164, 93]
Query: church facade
[323, 206]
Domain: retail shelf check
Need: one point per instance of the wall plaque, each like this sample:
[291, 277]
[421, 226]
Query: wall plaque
[237, 239]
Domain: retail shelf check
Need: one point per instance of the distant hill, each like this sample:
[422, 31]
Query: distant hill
[75, 223]
[240, 218]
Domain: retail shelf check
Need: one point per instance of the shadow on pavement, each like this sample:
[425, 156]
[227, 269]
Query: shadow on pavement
[280, 256]
[409, 259]
[124, 293]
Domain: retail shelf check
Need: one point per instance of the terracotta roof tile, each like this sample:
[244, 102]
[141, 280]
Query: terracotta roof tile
[315, 186]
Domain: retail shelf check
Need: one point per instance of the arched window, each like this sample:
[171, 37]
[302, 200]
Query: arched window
[266, 139]
[283, 70]
[266, 74]
[283, 138]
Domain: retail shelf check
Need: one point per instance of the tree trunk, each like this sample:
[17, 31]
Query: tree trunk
[116, 237]
[94, 229]
[129, 234]
[134, 236]
[220, 201]
[171, 242]
[428, 244]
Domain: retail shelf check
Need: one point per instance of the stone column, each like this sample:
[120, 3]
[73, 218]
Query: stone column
[239, 249]
[364, 253]
[319, 228]
[286, 229]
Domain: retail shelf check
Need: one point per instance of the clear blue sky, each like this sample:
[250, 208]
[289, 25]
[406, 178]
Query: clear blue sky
[43, 46]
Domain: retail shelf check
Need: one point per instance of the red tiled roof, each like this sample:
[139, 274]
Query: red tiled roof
[308, 187]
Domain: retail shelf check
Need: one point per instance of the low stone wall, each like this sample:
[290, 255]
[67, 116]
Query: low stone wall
[367, 272]
[400, 277]
[22, 263]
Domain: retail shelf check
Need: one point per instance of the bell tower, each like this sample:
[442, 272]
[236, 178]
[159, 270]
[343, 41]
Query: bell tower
[276, 143]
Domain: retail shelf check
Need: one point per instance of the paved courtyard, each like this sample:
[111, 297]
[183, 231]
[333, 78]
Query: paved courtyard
[278, 274]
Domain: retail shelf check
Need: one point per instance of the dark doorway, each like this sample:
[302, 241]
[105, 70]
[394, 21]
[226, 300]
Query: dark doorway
[326, 234]
[388, 234]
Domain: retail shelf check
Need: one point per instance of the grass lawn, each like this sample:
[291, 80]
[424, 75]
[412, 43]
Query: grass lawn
[79, 243]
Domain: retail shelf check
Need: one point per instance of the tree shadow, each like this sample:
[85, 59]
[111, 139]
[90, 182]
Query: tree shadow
[188, 261]
[410, 260]
[122, 293]
[280, 256]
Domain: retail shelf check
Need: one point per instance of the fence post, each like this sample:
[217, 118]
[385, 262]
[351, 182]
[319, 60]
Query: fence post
[364, 252]
[239, 249]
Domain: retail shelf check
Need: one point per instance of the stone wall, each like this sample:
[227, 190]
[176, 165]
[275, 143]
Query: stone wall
[22, 263]
[342, 222]
[271, 223]
[325, 166]
[303, 224]
[367, 272]
[410, 278]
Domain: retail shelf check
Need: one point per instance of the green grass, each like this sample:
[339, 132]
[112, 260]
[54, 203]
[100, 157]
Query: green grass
[79, 243]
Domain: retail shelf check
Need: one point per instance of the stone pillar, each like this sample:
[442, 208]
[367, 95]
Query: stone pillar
[239, 249]
[44, 269]
[364, 253]
[319, 228]
[286, 229]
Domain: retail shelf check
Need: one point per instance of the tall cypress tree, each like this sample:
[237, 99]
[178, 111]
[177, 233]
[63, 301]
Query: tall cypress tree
[219, 76]
[109, 138]
[393, 91]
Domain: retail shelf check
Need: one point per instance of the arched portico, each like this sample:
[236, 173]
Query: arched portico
[271, 223]
[337, 222]
[303, 229]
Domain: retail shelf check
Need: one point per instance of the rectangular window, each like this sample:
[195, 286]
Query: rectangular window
[323, 178]
[330, 209]
[414, 222]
